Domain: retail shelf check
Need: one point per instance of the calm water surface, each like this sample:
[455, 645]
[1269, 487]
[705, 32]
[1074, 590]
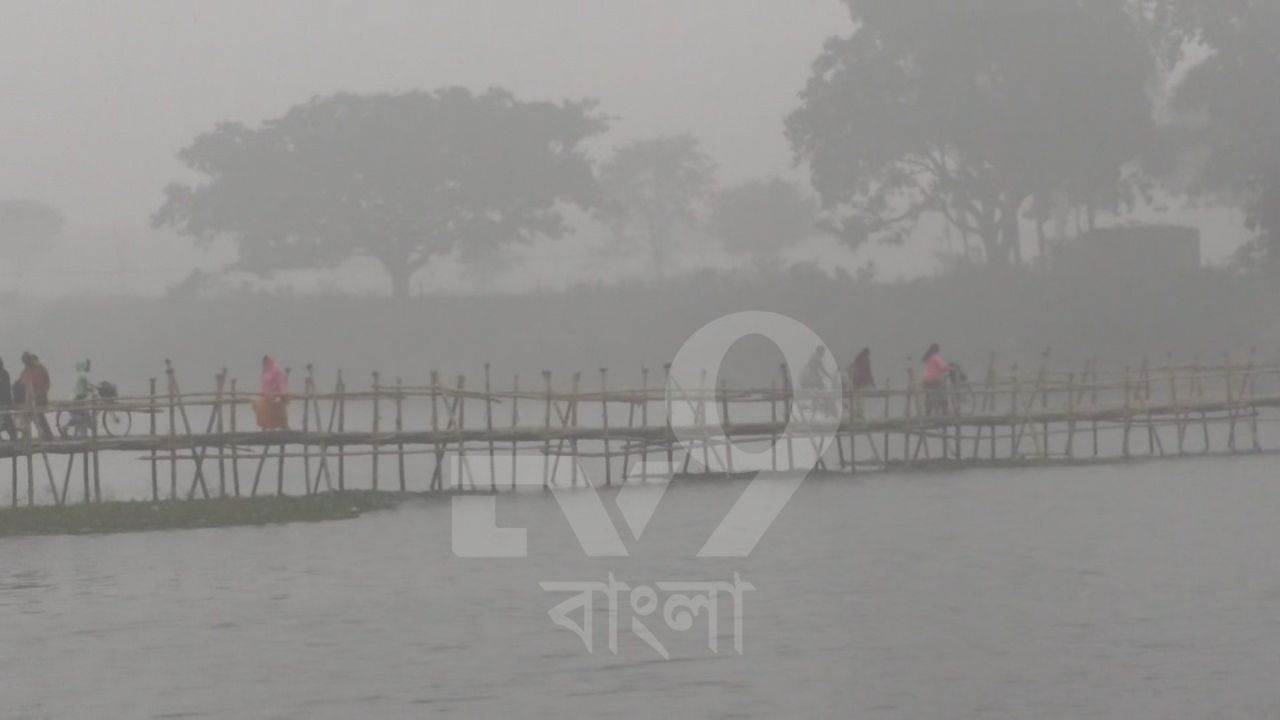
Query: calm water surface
[1144, 591]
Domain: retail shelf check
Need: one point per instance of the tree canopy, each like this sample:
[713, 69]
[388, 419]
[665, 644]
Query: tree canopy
[398, 178]
[1234, 91]
[971, 110]
[653, 187]
[759, 218]
[27, 226]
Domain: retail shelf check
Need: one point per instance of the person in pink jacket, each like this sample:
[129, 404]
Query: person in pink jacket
[272, 403]
[936, 372]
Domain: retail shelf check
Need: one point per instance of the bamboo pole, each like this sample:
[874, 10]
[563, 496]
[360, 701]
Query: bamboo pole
[702, 422]
[93, 455]
[220, 380]
[400, 476]
[60, 499]
[773, 421]
[888, 395]
[788, 412]
[1198, 390]
[604, 418]
[666, 373]
[235, 447]
[375, 441]
[727, 424]
[626, 445]
[515, 422]
[342, 426]
[1069, 451]
[280, 463]
[28, 417]
[173, 431]
[1145, 376]
[488, 424]
[84, 472]
[151, 414]
[1179, 418]
[907, 407]
[841, 402]
[322, 466]
[546, 444]
[198, 475]
[1128, 415]
[1014, 432]
[568, 418]
[1249, 392]
[1093, 403]
[437, 476]
[460, 409]
[855, 416]
[644, 422]
[48, 472]
[1043, 382]
[308, 394]
[1231, 407]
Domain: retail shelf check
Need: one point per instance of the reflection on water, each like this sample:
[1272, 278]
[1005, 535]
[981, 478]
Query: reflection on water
[1148, 591]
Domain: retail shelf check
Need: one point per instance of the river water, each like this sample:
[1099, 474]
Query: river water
[1141, 591]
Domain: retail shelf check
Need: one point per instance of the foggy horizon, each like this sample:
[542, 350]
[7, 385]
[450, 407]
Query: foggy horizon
[103, 96]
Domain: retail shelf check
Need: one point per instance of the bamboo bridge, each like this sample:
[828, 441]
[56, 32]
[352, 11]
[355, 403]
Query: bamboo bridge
[392, 436]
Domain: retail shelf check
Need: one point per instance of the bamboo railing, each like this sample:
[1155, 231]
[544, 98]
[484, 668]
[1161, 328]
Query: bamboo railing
[204, 444]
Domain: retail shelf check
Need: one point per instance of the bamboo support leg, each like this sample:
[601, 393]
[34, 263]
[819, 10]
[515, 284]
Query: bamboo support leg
[375, 442]
[400, 475]
[488, 425]
[604, 418]
[152, 410]
[546, 442]
[235, 447]
[308, 394]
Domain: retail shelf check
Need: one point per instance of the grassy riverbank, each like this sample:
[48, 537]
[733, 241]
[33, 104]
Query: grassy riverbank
[117, 517]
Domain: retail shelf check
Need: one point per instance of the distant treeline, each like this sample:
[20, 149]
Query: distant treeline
[1116, 317]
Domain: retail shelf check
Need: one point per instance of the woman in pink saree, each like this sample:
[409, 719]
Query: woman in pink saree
[936, 374]
[272, 404]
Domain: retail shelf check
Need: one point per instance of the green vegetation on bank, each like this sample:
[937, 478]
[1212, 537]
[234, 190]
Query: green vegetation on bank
[116, 517]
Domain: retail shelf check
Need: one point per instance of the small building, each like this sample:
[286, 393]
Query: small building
[1145, 249]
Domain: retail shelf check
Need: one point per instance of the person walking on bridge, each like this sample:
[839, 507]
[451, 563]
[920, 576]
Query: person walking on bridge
[936, 373]
[272, 404]
[36, 384]
[815, 381]
[861, 376]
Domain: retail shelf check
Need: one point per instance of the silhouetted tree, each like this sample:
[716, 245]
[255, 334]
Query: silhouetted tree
[27, 226]
[1234, 91]
[970, 110]
[653, 187]
[398, 178]
[761, 217]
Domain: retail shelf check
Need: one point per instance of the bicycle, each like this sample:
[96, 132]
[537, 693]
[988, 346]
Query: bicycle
[79, 422]
[952, 394]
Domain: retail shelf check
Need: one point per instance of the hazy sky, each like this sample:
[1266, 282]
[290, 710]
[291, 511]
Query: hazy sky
[100, 94]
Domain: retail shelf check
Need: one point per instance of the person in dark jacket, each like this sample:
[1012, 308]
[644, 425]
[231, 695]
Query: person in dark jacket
[861, 376]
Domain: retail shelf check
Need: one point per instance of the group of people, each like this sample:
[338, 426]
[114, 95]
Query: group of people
[33, 383]
[28, 396]
[816, 378]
